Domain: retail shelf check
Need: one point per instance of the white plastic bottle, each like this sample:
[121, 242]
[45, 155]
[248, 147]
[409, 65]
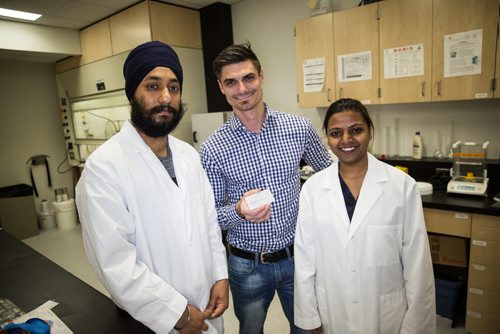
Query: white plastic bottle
[417, 146]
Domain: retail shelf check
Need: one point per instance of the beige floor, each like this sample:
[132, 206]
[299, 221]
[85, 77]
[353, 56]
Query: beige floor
[65, 247]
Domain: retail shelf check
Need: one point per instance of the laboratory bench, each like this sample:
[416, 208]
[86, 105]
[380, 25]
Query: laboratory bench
[473, 221]
[29, 279]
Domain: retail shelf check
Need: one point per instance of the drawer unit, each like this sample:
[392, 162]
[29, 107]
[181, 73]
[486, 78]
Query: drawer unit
[484, 277]
[485, 233]
[484, 301]
[489, 222]
[483, 297]
[448, 222]
[480, 323]
[485, 252]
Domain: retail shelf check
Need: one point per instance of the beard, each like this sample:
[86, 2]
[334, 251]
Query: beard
[143, 119]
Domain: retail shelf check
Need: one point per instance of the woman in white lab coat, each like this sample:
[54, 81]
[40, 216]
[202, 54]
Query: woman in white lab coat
[362, 259]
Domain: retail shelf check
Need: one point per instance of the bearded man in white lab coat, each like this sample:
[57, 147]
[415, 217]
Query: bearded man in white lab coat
[147, 209]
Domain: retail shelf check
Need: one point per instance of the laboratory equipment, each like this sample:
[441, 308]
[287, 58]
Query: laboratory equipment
[417, 146]
[469, 172]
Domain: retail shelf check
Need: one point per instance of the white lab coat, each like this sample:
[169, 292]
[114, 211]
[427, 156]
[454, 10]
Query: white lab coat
[373, 274]
[155, 246]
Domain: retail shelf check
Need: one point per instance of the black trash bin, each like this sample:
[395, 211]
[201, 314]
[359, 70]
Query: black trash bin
[17, 211]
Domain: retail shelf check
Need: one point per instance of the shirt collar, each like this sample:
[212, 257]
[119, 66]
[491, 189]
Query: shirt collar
[237, 125]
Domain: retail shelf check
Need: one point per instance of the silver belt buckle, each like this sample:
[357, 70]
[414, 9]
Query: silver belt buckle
[262, 258]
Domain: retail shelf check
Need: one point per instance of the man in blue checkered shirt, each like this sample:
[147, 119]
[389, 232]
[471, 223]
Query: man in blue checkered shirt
[257, 148]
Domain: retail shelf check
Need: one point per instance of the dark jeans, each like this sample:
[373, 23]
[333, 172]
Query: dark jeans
[253, 286]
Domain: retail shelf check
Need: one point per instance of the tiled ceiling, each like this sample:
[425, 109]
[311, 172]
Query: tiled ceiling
[76, 14]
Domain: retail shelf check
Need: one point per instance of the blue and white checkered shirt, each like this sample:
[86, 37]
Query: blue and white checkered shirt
[237, 160]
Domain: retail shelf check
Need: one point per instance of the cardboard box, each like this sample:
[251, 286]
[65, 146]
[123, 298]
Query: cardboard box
[451, 251]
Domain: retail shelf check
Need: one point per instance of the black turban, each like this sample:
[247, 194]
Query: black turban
[143, 59]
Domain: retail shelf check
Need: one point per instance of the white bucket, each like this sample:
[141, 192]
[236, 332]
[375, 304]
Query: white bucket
[46, 220]
[65, 212]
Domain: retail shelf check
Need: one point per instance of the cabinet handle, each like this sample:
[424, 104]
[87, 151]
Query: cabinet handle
[439, 88]
[340, 92]
[329, 95]
[423, 88]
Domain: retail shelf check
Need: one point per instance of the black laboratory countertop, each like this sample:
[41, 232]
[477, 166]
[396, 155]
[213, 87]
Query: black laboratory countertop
[426, 170]
[439, 199]
[29, 279]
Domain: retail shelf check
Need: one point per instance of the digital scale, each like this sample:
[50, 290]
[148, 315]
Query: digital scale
[469, 172]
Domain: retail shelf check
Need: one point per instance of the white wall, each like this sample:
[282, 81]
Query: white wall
[30, 125]
[440, 124]
[268, 25]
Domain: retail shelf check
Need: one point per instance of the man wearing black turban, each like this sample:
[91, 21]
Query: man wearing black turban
[147, 209]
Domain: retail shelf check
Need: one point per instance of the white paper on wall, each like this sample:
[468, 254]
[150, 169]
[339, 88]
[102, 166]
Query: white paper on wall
[314, 74]
[462, 53]
[404, 61]
[355, 66]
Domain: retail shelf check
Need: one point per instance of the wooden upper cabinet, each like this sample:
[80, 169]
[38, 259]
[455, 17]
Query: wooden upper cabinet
[356, 40]
[405, 50]
[451, 17]
[95, 42]
[314, 41]
[496, 93]
[130, 28]
[175, 26]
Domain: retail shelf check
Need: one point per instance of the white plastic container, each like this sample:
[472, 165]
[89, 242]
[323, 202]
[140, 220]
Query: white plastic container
[417, 146]
[424, 188]
[46, 220]
[65, 212]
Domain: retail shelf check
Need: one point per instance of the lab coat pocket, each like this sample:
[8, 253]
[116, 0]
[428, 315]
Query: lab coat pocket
[383, 245]
[393, 307]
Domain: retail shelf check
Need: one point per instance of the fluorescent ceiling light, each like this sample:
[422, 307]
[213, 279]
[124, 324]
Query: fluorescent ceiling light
[18, 14]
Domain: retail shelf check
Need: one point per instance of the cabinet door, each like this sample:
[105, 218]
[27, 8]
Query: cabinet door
[175, 25]
[314, 39]
[95, 42]
[451, 17]
[130, 28]
[496, 93]
[405, 50]
[356, 40]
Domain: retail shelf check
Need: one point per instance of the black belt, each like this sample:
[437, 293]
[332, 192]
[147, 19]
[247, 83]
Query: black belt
[263, 257]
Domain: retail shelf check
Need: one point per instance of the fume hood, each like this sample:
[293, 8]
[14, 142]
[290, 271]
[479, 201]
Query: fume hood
[93, 106]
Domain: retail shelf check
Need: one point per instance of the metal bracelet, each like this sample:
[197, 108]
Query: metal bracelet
[187, 321]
